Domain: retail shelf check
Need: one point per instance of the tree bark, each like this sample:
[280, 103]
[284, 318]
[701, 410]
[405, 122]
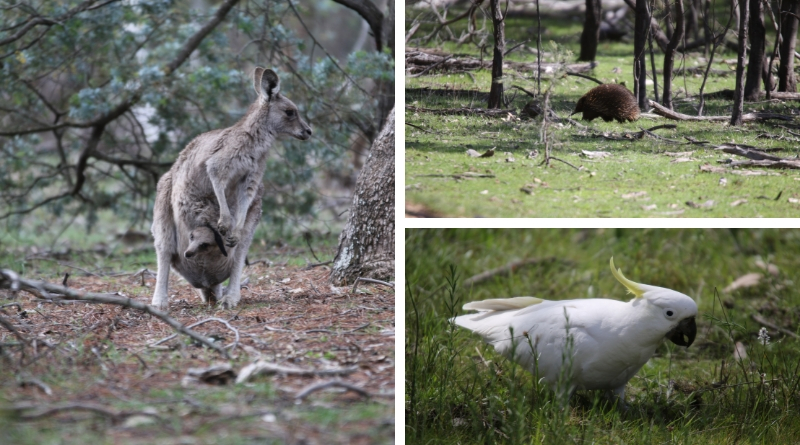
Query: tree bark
[496, 92]
[366, 245]
[639, 66]
[738, 93]
[669, 55]
[755, 66]
[786, 80]
[591, 31]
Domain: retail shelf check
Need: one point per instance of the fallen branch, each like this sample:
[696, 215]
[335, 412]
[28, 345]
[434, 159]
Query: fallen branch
[370, 280]
[53, 292]
[749, 117]
[262, 367]
[420, 60]
[490, 112]
[758, 319]
[747, 151]
[781, 164]
[561, 160]
[44, 411]
[329, 384]
[228, 325]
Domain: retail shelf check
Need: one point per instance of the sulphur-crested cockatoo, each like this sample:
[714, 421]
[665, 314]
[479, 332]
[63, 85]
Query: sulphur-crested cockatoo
[610, 340]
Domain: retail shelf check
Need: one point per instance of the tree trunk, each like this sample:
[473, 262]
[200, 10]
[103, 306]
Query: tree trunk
[591, 30]
[496, 92]
[366, 245]
[786, 80]
[669, 55]
[738, 93]
[639, 40]
[755, 66]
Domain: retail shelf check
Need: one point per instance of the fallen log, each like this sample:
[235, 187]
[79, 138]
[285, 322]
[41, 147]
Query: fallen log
[419, 60]
[749, 117]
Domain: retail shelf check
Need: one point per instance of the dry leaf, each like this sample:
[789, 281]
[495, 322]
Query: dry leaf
[771, 268]
[694, 205]
[746, 280]
[488, 154]
[634, 195]
[738, 202]
[679, 160]
[595, 154]
[680, 154]
[739, 352]
[649, 207]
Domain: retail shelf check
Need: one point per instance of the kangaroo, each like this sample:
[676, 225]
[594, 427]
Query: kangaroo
[219, 173]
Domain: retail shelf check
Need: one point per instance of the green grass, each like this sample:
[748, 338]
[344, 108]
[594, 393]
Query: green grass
[438, 151]
[458, 390]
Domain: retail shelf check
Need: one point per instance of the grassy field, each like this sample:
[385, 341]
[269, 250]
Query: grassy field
[458, 390]
[83, 373]
[645, 177]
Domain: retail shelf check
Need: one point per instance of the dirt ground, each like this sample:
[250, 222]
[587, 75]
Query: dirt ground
[93, 369]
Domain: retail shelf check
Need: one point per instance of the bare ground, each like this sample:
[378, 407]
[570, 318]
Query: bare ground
[92, 358]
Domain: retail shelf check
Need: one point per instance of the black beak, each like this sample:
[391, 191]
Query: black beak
[684, 333]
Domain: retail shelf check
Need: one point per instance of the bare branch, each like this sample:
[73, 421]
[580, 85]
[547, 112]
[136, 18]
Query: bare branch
[48, 291]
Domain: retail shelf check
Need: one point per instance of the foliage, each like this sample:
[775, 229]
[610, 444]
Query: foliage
[458, 390]
[99, 89]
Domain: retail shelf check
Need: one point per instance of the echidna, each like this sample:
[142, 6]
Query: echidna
[609, 101]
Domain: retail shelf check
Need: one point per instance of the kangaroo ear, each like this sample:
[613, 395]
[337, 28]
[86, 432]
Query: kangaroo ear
[218, 239]
[270, 85]
[257, 79]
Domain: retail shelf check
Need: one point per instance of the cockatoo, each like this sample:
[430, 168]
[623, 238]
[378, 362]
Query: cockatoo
[609, 340]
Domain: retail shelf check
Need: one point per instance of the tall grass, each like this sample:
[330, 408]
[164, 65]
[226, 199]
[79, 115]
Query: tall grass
[458, 390]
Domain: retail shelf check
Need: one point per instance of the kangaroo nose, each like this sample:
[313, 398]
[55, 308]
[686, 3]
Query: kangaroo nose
[188, 254]
[308, 131]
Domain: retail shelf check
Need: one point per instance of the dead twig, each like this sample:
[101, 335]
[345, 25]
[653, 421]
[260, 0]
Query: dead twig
[45, 411]
[53, 292]
[430, 67]
[262, 367]
[758, 319]
[561, 160]
[219, 320]
[370, 280]
[313, 265]
[585, 77]
[305, 392]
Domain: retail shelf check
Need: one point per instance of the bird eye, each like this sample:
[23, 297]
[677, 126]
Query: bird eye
[290, 113]
[670, 313]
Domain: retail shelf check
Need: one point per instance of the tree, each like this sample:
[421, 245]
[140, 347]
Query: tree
[498, 26]
[757, 60]
[738, 93]
[790, 9]
[366, 245]
[641, 28]
[99, 96]
[669, 54]
[591, 30]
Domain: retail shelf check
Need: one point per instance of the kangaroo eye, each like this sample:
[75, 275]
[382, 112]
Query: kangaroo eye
[191, 237]
[290, 113]
[669, 313]
[204, 245]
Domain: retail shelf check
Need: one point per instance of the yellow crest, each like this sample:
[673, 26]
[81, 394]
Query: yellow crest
[634, 288]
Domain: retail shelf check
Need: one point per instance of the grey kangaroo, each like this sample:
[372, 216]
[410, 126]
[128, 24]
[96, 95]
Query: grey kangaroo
[218, 176]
